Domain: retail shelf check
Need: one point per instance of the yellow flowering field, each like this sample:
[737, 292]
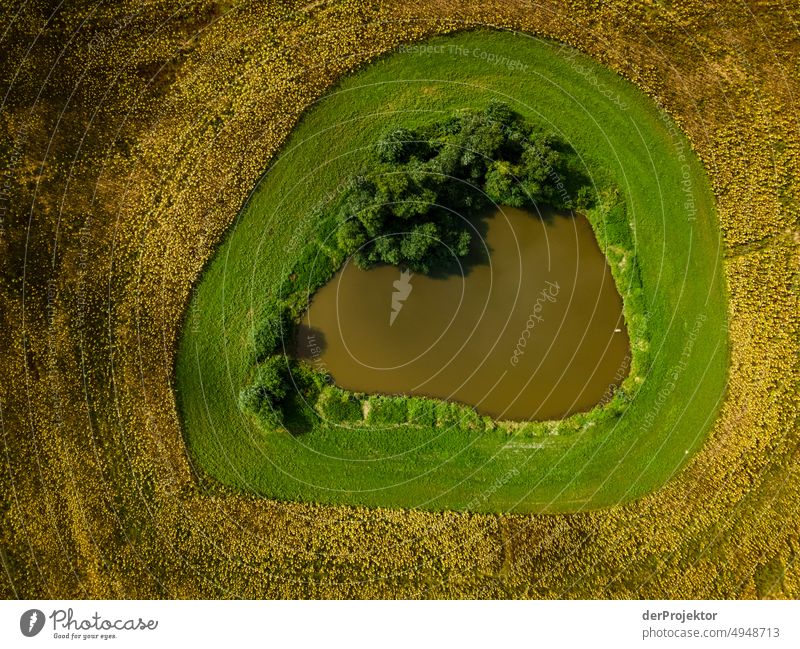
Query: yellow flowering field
[131, 137]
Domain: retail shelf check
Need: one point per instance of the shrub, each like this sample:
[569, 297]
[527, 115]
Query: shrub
[313, 268]
[584, 198]
[400, 144]
[338, 406]
[422, 411]
[388, 410]
[469, 418]
[271, 378]
[446, 414]
[274, 328]
[264, 395]
[456, 415]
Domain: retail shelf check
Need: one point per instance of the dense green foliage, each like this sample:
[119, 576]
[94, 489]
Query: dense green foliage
[414, 204]
[273, 330]
[264, 396]
[338, 406]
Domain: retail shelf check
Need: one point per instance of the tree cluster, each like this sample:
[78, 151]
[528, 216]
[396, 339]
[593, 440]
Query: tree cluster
[413, 208]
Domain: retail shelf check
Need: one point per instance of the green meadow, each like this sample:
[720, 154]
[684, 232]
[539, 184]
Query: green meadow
[657, 209]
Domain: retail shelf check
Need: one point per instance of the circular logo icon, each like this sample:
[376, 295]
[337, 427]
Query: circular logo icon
[31, 622]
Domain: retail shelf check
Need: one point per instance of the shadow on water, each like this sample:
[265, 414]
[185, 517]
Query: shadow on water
[480, 249]
[547, 215]
[310, 342]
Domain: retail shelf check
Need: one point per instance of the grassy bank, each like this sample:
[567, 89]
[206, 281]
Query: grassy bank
[664, 202]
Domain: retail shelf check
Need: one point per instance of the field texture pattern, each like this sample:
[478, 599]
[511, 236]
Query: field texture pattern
[130, 138]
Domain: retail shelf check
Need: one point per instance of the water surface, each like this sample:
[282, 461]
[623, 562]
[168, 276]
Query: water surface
[532, 328]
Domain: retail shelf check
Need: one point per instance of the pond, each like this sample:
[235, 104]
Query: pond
[529, 327]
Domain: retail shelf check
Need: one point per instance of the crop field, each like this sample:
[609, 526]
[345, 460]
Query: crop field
[163, 168]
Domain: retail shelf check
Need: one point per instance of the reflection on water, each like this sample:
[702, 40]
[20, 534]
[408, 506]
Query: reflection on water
[531, 329]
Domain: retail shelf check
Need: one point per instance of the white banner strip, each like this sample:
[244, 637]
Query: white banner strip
[378, 625]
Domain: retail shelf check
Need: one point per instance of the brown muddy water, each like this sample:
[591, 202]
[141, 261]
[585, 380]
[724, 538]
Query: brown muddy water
[532, 328]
